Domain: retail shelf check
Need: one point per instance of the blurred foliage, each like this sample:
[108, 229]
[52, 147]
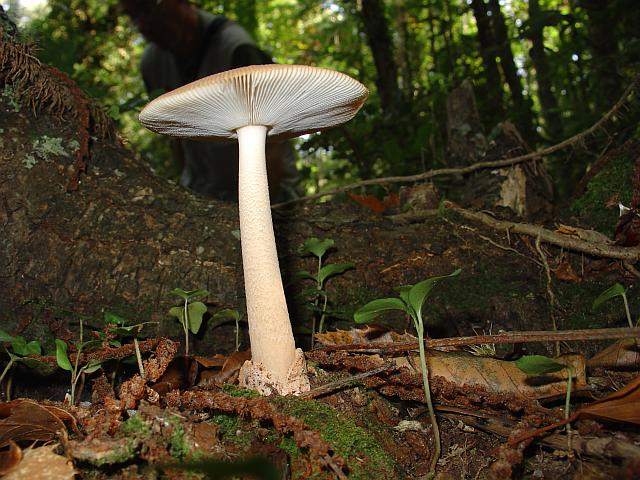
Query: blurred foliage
[434, 44]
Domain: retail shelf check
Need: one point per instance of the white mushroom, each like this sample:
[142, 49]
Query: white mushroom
[254, 104]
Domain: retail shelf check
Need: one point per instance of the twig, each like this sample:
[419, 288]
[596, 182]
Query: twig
[553, 301]
[578, 138]
[333, 386]
[629, 254]
[500, 338]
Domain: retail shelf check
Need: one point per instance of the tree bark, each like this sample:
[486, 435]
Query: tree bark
[377, 30]
[523, 117]
[603, 42]
[548, 101]
[493, 82]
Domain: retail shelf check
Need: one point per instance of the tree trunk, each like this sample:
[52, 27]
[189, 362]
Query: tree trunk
[492, 89]
[604, 49]
[376, 28]
[548, 101]
[523, 116]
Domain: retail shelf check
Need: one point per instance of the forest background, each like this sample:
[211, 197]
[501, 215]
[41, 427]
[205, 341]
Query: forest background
[552, 67]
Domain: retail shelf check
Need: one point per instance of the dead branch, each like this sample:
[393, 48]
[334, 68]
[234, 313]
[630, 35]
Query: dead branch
[628, 254]
[507, 162]
[338, 384]
[500, 338]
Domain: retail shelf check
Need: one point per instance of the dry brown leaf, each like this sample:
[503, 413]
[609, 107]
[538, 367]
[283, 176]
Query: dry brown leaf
[210, 362]
[624, 353]
[498, 376]
[620, 406]
[10, 458]
[42, 464]
[583, 234]
[26, 420]
[367, 334]
[565, 272]
[231, 367]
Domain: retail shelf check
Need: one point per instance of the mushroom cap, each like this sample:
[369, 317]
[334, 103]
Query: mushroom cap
[290, 100]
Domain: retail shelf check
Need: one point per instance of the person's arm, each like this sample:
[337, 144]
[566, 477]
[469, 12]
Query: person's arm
[245, 55]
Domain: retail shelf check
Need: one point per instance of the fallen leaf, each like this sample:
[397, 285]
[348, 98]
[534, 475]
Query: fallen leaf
[565, 272]
[368, 334]
[371, 202]
[42, 464]
[10, 458]
[620, 406]
[26, 420]
[181, 373]
[583, 234]
[622, 354]
[229, 371]
[210, 362]
[498, 376]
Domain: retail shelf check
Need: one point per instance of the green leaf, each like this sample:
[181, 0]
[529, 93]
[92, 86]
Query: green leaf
[177, 312]
[372, 309]
[92, 366]
[226, 313]
[189, 294]
[196, 311]
[61, 356]
[538, 365]
[616, 290]
[33, 348]
[404, 296]
[41, 368]
[19, 346]
[114, 319]
[316, 246]
[333, 269]
[5, 337]
[303, 275]
[420, 291]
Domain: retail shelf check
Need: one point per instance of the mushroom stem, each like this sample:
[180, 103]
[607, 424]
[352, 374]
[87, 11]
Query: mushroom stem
[272, 343]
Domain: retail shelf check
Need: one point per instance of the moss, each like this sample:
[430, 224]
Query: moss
[12, 98]
[45, 147]
[365, 457]
[136, 427]
[236, 391]
[615, 180]
[179, 446]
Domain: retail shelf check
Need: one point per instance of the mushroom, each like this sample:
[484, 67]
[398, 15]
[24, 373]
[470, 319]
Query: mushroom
[254, 104]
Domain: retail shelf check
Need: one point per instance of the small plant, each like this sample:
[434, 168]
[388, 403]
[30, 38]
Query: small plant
[317, 247]
[190, 313]
[411, 301]
[614, 291]
[77, 370]
[536, 365]
[229, 313]
[22, 352]
[116, 326]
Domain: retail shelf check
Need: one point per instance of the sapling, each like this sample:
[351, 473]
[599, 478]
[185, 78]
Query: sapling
[229, 313]
[411, 301]
[22, 352]
[117, 327]
[616, 290]
[190, 313]
[536, 365]
[77, 370]
[317, 247]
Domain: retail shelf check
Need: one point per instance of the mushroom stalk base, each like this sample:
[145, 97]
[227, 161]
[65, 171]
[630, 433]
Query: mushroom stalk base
[275, 361]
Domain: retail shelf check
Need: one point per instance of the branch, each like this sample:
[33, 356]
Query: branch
[501, 338]
[628, 254]
[578, 138]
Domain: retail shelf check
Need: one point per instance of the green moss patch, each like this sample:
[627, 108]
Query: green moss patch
[364, 456]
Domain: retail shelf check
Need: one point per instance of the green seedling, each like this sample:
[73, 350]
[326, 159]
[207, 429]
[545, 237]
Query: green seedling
[536, 365]
[21, 351]
[614, 291]
[411, 301]
[76, 370]
[116, 326]
[229, 314]
[317, 247]
[190, 314]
